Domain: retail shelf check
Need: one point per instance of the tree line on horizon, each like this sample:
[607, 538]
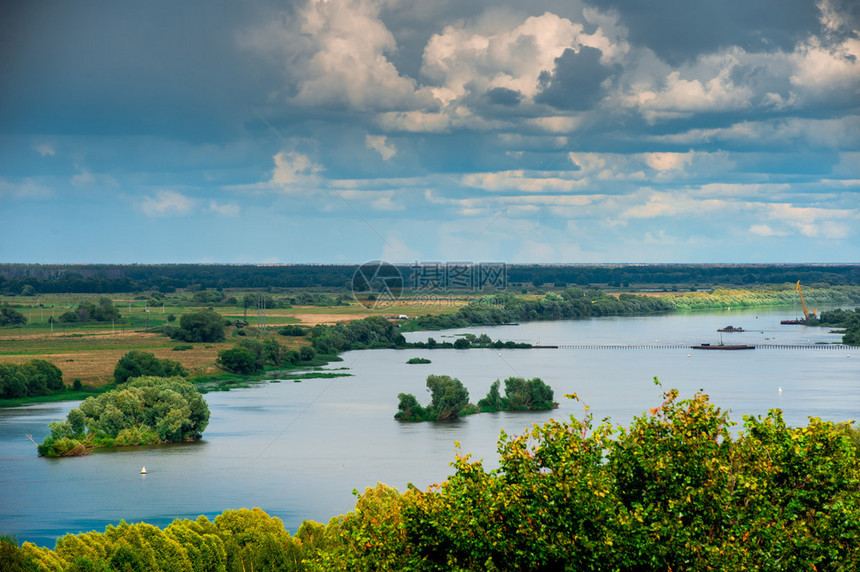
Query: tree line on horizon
[33, 279]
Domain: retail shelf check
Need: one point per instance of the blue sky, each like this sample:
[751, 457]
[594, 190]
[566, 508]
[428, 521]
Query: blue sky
[345, 131]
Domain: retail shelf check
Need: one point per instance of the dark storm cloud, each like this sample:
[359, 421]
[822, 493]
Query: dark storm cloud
[575, 83]
[111, 68]
[504, 96]
[678, 31]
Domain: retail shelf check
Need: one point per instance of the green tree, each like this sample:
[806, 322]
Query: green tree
[13, 558]
[257, 348]
[408, 408]
[10, 316]
[137, 363]
[43, 377]
[207, 297]
[852, 336]
[291, 331]
[522, 394]
[202, 326]
[307, 353]
[493, 400]
[13, 384]
[105, 311]
[448, 397]
[239, 359]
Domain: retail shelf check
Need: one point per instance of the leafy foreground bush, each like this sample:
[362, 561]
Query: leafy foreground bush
[674, 491]
[144, 411]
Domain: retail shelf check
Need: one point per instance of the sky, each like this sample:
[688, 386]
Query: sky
[341, 131]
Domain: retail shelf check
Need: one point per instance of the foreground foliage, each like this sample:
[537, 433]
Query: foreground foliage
[146, 410]
[676, 490]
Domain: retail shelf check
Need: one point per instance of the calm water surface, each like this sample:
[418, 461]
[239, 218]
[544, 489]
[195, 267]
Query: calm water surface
[297, 450]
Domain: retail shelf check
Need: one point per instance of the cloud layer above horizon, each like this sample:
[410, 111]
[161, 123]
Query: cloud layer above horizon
[345, 131]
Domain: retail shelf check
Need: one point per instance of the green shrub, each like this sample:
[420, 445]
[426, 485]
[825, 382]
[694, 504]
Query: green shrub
[10, 317]
[172, 409]
[239, 360]
[137, 363]
[33, 378]
[205, 326]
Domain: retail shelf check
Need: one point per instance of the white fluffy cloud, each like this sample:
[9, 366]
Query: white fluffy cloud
[379, 144]
[668, 161]
[823, 68]
[525, 182]
[706, 86]
[226, 209]
[26, 188]
[166, 203]
[508, 58]
[85, 179]
[336, 53]
[44, 149]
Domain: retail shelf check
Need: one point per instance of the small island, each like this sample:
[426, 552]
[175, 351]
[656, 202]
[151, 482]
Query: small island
[143, 411]
[449, 399]
[417, 360]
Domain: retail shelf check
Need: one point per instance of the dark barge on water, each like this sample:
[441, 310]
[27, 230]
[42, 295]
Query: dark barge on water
[723, 347]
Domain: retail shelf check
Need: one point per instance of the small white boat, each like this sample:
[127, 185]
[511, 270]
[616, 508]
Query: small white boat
[143, 471]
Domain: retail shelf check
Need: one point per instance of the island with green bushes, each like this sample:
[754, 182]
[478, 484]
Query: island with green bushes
[449, 399]
[143, 411]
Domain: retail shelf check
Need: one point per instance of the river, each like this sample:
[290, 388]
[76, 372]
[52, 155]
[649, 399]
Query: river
[298, 449]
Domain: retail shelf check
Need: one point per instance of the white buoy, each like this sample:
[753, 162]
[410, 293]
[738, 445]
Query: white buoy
[143, 471]
[780, 390]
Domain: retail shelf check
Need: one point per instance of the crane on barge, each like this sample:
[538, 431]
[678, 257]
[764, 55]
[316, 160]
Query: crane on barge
[806, 313]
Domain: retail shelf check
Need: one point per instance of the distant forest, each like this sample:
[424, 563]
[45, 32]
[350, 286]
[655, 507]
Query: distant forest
[17, 279]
